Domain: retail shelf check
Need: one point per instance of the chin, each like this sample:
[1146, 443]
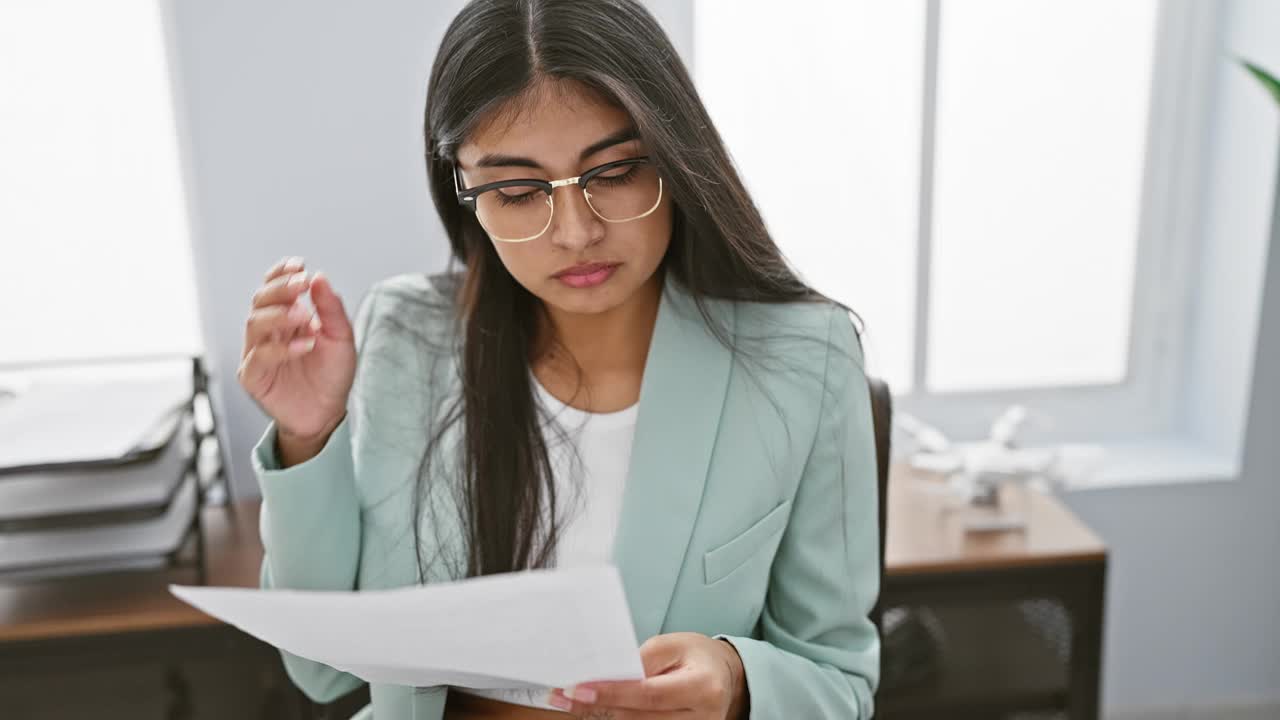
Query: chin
[583, 302]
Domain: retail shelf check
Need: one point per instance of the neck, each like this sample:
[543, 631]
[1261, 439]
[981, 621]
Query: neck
[601, 344]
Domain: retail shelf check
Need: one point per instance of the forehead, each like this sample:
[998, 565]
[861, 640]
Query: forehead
[552, 123]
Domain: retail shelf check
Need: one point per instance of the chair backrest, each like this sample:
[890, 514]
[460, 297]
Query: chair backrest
[882, 422]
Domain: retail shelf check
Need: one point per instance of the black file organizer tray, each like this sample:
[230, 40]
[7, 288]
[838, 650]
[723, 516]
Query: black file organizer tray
[43, 505]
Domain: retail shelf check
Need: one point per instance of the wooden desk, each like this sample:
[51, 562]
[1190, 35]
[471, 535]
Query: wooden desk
[132, 601]
[119, 645]
[1020, 612]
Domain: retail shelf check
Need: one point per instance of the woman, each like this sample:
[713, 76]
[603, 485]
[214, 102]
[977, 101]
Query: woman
[623, 370]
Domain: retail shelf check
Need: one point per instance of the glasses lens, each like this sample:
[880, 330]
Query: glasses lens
[624, 192]
[515, 212]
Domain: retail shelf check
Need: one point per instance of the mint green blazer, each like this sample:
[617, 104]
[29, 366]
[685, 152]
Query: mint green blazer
[749, 512]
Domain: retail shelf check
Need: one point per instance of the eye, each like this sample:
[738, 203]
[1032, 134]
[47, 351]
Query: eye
[616, 176]
[522, 196]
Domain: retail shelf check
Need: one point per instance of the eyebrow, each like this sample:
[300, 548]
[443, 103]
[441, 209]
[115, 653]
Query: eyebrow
[497, 160]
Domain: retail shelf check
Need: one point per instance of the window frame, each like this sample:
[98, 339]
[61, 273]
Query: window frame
[1145, 402]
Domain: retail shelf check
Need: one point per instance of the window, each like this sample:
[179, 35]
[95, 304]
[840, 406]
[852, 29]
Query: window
[997, 193]
[1037, 182]
[95, 259]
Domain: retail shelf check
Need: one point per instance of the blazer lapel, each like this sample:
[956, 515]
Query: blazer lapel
[682, 392]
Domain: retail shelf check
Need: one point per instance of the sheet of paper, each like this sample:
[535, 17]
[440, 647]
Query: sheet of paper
[551, 628]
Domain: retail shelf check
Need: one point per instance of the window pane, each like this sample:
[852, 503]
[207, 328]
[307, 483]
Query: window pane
[94, 254]
[820, 106]
[1042, 111]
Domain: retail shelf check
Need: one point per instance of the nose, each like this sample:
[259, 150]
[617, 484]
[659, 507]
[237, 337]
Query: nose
[573, 224]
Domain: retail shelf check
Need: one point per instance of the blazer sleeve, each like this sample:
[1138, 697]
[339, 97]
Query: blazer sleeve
[310, 526]
[818, 654]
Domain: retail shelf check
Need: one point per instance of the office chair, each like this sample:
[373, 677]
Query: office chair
[882, 422]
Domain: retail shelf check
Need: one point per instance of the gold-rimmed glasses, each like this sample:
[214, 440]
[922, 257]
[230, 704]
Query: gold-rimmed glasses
[520, 209]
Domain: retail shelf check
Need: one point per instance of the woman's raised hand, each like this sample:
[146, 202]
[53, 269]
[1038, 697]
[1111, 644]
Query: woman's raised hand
[298, 365]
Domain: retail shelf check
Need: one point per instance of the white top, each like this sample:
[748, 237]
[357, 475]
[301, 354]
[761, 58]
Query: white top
[588, 497]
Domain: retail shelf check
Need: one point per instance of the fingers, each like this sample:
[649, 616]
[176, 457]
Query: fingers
[663, 693]
[288, 263]
[678, 679]
[260, 362]
[329, 308]
[277, 314]
[277, 278]
[597, 711]
[279, 323]
[282, 289]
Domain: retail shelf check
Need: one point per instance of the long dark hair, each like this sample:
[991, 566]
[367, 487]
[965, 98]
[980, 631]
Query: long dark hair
[491, 56]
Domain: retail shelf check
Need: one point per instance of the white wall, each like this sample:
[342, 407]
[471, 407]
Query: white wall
[302, 137]
[1193, 614]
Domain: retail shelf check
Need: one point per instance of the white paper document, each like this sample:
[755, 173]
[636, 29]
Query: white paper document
[539, 628]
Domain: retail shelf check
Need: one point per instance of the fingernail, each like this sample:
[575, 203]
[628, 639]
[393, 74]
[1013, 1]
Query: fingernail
[581, 693]
[294, 261]
[559, 701]
[302, 345]
[315, 323]
[298, 278]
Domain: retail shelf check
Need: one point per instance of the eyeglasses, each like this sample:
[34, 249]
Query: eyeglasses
[520, 210]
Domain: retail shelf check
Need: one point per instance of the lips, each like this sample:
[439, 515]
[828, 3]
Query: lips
[585, 269]
[582, 277]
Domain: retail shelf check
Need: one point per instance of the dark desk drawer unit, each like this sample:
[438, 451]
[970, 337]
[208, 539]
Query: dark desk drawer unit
[1013, 644]
[1005, 624]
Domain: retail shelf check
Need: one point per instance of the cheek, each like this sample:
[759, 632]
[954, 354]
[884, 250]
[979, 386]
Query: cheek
[642, 245]
[519, 259]
[647, 243]
[658, 234]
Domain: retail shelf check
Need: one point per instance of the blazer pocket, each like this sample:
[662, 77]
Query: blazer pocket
[724, 559]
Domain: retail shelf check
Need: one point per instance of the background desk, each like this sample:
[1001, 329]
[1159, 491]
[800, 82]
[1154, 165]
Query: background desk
[1022, 614]
[119, 645]
[1021, 611]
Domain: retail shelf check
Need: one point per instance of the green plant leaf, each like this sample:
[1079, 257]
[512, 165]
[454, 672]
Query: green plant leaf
[1267, 79]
